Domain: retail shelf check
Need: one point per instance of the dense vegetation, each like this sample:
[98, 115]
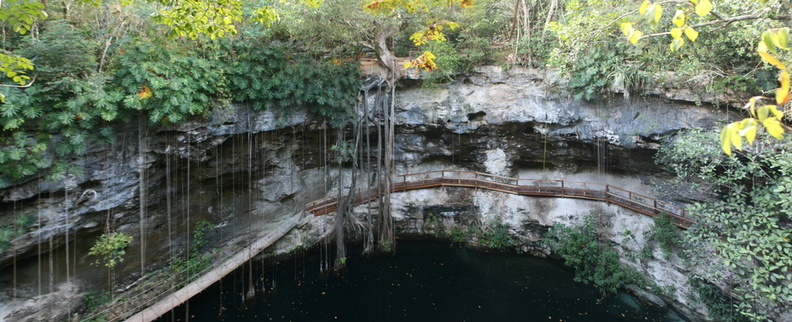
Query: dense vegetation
[595, 263]
[72, 77]
[102, 62]
[742, 238]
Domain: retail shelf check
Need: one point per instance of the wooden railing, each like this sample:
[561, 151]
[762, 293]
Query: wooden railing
[525, 187]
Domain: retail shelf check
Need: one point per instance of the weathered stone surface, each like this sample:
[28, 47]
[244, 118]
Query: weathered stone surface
[244, 170]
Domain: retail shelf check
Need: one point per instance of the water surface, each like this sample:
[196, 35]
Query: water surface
[423, 281]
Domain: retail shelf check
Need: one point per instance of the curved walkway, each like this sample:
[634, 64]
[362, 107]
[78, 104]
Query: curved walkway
[163, 302]
[525, 187]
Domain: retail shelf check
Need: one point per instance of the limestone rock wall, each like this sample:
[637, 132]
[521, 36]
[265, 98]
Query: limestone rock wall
[244, 171]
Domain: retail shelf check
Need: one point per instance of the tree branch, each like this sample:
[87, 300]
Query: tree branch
[21, 86]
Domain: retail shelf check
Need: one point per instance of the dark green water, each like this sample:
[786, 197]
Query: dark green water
[423, 281]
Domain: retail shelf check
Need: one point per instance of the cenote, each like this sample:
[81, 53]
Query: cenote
[422, 281]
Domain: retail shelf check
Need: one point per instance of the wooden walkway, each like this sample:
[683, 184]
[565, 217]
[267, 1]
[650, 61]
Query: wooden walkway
[217, 272]
[524, 187]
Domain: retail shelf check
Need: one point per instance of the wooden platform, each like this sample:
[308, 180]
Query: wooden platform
[524, 187]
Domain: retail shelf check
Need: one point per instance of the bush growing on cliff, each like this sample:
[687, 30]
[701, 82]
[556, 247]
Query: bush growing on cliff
[665, 233]
[594, 263]
[741, 238]
[111, 248]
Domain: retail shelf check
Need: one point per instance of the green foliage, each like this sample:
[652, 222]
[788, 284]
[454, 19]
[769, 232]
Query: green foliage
[95, 300]
[10, 232]
[269, 76]
[665, 233]
[385, 245]
[169, 85]
[594, 264]
[693, 157]
[201, 18]
[603, 67]
[185, 270]
[496, 236]
[740, 237]
[21, 155]
[60, 51]
[111, 248]
[20, 17]
[719, 306]
[458, 234]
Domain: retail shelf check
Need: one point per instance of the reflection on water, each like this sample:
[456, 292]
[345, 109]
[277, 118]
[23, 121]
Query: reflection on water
[423, 281]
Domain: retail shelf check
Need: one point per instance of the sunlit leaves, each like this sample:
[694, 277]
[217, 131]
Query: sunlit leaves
[194, 18]
[653, 12]
[769, 116]
[144, 93]
[691, 33]
[111, 248]
[781, 38]
[769, 58]
[676, 33]
[679, 18]
[14, 66]
[703, 7]
[676, 44]
[425, 61]
[782, 94]
[265, 15]
[391, 6]
[21, 15]
[632, 34]
[433, 32]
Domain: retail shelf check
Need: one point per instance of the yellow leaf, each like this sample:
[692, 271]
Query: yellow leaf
[763, 113]
[635, 35]
[782, 94]
[751, 105]
[658, 13]
[734, 135]
[725, 144]
[679, 18]
[776, 113]
[768, 57]
[145, 92]
[748, 129]
[626, 28]
[773, 127]
[770, 39]
[691, 33]
[644, 6]
[676, 33]
[703, 7]
[676, 44]
[761, 47]
[783, 35]
[466, 3]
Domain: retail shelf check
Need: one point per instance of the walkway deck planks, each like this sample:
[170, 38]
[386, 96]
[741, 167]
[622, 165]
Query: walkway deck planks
[524, 187]
[175, 299]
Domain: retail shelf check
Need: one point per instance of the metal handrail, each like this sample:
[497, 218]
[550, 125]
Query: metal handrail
[559, 188]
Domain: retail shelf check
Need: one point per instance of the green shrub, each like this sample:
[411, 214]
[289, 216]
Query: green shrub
[594, 264]
[665, 233]
[111, 248]
[496, 235]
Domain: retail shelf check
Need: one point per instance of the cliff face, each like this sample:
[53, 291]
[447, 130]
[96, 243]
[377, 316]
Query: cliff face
[246, 171]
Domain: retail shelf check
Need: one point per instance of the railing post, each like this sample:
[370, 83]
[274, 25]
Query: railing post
[655, 206]
[607, 194]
